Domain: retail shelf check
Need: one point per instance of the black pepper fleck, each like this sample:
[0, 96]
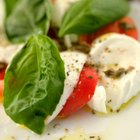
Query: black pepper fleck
[107, 50]
[99, 138]
[92, 137]
[126, 26]
[90, 77]
[109, 101]
[93, 112]
[13, 138]
[111, 110]
[118, 110]
[55, 125]
[68, 74]
[66, 129]
[77, 70]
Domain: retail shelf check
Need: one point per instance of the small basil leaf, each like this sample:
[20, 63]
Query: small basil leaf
[25, 18]
[34, 83]
[86, 16]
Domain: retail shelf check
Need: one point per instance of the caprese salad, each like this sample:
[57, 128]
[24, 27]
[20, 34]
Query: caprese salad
[38, 82]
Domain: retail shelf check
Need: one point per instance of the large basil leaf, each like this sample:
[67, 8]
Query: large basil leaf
[34, 83]
[86, 16]
[25, 18]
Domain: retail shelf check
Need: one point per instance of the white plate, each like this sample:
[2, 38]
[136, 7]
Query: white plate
[124, 125]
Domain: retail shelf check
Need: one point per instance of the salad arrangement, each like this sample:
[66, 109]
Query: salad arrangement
[42, 83]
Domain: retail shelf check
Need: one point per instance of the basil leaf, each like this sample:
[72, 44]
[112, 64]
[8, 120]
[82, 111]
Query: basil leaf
[25, 18]
[34, 83]
[86, 16]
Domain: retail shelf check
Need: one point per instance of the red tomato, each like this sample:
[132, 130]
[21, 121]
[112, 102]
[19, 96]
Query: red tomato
[82, 93]
[123, 26]
[1, 89]
[2, 73]
[127, 26]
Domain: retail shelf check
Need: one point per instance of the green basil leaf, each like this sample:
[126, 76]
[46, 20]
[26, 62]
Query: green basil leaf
[87, 16]
[34, 83]
[25, 18]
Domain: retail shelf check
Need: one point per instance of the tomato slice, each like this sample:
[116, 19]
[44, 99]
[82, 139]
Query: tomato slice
[82, 93]
[2, 72]
[1, 89]
[125, 25]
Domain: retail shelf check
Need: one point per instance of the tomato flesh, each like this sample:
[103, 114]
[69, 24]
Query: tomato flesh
[125, 25]
[82, 93]
[1, 89]
[2, 73]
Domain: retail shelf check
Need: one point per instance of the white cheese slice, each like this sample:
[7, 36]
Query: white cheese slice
[73, 62]
[98, 101]
[117, 58]
[59, 7]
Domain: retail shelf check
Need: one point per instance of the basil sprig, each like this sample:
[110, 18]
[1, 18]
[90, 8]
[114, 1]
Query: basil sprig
[34, 83]
[25, 18]
[87, 16]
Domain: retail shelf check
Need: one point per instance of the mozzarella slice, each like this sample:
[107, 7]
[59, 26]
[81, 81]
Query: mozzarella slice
[73, 62]
[98, 101]
[59, 7]
[117, 58]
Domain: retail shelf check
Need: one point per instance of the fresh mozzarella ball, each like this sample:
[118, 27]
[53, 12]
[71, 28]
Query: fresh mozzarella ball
[59, 9]
[117, 59]
[73, 62]
[98, 101]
